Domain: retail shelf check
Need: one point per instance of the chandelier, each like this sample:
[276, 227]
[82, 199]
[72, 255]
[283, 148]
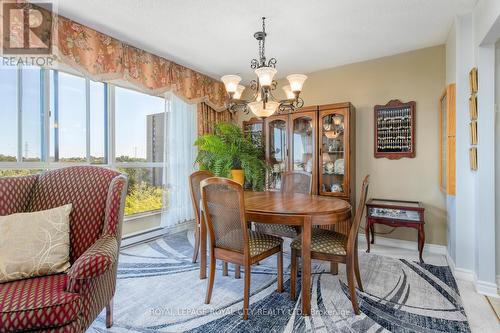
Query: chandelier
[263, 103]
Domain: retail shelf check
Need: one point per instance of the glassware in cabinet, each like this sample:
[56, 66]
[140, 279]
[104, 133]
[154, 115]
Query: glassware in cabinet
[332, 149]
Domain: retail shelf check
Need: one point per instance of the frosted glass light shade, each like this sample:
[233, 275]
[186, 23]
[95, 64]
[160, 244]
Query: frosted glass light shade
[257, 108]
[288, 92]
[231, 82]
[266, 75]
[239, 91]
[271, 108]
[296, 81]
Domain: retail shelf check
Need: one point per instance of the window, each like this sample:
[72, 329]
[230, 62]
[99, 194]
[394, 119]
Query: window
[51, 118]
[98, 123]
[145, 190]
[8, 115]
[139, 130]
[139, 148]
[22, 116]
[69, 127]
[78, 118]
[70, 118]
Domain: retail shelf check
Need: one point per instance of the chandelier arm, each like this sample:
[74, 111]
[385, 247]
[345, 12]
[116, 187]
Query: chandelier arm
[273, 98]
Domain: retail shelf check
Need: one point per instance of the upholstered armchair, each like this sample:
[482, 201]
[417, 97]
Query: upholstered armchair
[67, 302]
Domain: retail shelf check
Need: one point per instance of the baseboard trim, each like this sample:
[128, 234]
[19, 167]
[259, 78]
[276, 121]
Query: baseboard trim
[405, 244]
[485, 288]
[459, 273]
[149, 235]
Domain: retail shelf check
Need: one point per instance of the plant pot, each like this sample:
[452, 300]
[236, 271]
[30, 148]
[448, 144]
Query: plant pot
[238, 176]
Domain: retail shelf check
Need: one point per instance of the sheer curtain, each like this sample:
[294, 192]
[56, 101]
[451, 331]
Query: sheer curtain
[181, 154]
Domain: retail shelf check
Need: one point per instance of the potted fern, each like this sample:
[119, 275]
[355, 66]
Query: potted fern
[228, 153]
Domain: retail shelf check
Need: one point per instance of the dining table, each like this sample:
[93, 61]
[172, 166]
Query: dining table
[302, 210]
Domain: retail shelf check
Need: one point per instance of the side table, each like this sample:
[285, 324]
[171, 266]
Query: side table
[395, 213]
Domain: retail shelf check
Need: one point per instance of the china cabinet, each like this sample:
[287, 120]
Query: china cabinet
[254, 129]
[336, 151]
[276, 136]
[318, 140]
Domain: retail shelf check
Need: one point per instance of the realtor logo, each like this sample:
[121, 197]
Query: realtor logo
[27, 29]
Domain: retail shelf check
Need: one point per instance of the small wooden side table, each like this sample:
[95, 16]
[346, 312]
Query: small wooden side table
[395, 213]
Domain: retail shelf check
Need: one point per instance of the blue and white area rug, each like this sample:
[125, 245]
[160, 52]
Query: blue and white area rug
[159, 290]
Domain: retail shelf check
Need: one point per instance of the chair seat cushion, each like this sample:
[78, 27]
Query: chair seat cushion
[37, 303]
[281, 230]
[260, 243]
[324, 241]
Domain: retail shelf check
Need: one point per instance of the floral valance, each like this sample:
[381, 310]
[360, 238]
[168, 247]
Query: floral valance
[104, 58]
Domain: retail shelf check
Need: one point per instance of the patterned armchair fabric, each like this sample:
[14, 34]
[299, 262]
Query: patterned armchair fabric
[67, 302]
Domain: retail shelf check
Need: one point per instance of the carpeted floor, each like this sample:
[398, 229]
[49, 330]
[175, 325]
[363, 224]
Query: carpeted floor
[159, 290]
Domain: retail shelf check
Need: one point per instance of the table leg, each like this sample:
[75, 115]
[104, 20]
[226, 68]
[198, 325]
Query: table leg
[372, 229]
[306, 266]
[421, 241]
[367, 234]
[203, 249]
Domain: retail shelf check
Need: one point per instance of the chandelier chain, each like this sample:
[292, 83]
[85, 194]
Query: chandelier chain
[263, 57]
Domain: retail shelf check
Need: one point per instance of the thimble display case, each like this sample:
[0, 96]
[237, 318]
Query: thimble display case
[394, 130]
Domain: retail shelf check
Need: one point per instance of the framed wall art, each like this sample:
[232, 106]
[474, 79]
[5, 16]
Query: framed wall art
[394, 130]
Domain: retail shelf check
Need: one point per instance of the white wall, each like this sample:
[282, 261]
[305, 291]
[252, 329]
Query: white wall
[465, 179]
[451, 55]
[472, 247]
[497, 156]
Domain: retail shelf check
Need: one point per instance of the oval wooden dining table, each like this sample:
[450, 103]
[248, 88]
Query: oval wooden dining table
[301, 210]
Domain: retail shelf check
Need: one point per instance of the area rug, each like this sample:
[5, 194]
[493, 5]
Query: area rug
[159, 290]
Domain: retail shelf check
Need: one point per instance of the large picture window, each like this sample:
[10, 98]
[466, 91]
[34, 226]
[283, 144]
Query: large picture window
[52, 119]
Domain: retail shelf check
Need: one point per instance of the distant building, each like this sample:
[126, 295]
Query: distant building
[156, 144]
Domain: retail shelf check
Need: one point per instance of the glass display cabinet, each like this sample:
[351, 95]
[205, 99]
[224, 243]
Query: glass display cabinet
[276, 149]
[395, 213]
[318, 140]
[254, 129]
[336, 141]
[303, 130]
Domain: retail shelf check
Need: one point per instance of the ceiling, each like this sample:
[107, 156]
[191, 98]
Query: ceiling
[215, 37]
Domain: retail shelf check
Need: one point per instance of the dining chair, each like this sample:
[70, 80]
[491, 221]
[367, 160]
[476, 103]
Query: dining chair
[230, 238]
[291, 182]
[335, 247]
[194, 183]
[296, 182]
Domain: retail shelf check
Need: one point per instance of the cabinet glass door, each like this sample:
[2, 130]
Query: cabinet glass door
[302, 144]
[332, 170]
[277, 152]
